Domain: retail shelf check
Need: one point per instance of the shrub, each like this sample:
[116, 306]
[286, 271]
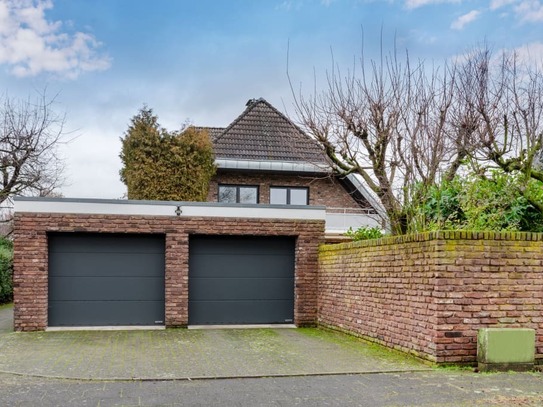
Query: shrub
[441, 208]
[364, 233]
[6, 271]
[497, 202]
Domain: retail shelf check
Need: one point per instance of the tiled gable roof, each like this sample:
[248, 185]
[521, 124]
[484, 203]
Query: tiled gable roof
[214, 132]
[261, 132]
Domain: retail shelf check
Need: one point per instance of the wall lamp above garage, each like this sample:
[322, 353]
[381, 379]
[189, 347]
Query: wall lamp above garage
[178, 211]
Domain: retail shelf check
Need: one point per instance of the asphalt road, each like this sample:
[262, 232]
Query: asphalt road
[435, 388]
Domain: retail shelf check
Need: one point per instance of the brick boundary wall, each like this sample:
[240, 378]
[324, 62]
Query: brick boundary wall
[428, 294]
[31, 257]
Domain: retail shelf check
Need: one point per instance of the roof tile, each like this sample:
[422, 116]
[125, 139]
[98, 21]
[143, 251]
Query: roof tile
[213, 132]
[261, 132]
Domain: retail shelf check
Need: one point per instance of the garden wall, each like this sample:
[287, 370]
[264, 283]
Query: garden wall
[428, 294]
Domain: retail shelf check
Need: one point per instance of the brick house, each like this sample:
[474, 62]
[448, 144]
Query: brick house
[248, 256]
[264, 158]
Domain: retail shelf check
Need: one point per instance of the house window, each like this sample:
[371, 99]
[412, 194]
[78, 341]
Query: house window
[238, 194]
[289, 195]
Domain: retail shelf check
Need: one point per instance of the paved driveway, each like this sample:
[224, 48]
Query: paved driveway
[6, 318]
[45, 363]
[182, 353]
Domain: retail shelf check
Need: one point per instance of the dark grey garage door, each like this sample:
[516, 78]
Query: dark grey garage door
[106, 279]
[241, 280]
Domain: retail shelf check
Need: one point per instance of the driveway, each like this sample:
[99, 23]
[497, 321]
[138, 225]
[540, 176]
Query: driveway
[6, 318]
[100, 368]
[191, 354]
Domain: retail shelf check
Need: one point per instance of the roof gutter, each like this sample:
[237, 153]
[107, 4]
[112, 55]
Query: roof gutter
[167, 208]
[370, 198]
[274, 166]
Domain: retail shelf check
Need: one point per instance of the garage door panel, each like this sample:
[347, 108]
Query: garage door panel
[106, 279]
[240, 245]
[106, 264]
[230, 266]
[241, 280]
[240, 312]
[106, 289]
[242, 289]
[105, 313]
[115, 243]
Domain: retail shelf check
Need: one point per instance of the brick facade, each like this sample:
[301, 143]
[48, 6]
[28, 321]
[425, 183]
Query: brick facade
[428, 294]
[31, 261]
[323, 190]
[425, 294]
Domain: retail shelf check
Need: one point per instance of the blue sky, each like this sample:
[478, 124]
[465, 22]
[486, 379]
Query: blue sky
[202, 60]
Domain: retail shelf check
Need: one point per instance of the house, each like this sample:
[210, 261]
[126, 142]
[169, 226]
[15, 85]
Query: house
[262, 157]
[249, 256]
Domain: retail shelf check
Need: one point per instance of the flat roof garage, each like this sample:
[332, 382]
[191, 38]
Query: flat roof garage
[87, 262]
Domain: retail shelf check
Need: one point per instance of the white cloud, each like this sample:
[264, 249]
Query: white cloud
[496, 4]
[530, 54]
[93, 164]
[530, 10]
[525, 10]
[30, 44]
[420, 3]
[467, 18]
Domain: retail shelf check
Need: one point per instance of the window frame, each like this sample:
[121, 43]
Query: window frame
[238, 194]
[288, 189]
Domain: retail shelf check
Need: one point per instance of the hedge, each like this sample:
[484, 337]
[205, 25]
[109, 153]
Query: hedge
[6, 270]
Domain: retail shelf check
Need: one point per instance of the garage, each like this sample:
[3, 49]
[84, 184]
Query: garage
[105, 262]
[241, 280]
[100, 279]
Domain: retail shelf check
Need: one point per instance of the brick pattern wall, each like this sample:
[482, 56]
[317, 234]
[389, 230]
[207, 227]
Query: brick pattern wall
[428, 294]
[31, 262]
[325, 191]
[380, 291]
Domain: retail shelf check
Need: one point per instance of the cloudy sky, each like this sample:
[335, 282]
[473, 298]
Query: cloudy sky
[201, 60]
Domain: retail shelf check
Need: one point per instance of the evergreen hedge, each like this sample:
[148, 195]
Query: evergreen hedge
[6, 271]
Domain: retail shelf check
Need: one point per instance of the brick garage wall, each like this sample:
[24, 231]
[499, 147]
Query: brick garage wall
[325, 190]
[428, 294]
[31, 261]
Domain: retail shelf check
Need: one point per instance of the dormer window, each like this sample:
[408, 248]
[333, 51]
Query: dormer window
[289, 195]
[247, 194]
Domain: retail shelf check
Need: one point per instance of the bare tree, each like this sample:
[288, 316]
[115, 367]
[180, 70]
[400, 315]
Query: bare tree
[503, 96]
[30, 132]
[387, 121]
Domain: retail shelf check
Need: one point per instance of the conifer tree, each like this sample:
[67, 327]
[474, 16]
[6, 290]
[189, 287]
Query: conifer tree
[159, 165]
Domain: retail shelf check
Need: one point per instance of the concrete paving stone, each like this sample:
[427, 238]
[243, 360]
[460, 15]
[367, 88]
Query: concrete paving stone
[318, 366]
[6, 318]
[182, 353]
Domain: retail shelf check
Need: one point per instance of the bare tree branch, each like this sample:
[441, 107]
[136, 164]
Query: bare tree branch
[507, 99]
[30, 133]
[388, 122]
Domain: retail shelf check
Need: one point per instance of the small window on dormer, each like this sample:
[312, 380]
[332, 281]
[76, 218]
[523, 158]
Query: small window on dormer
[247, 194]
[289, 195]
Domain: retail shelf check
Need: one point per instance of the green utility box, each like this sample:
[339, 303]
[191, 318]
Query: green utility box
[502, 349]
